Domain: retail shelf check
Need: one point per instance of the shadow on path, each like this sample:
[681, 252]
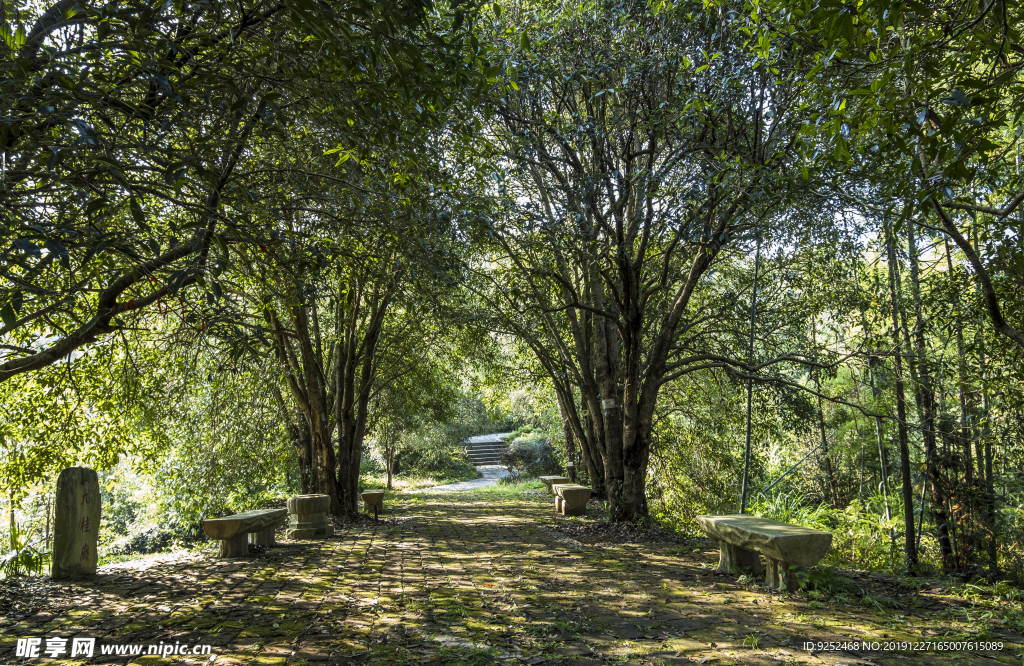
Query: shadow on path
[471, 579]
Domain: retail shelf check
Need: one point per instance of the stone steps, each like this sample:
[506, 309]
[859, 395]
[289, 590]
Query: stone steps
[485, 454]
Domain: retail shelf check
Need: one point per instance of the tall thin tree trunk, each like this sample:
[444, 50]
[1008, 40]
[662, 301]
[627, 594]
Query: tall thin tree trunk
[883, 461]
[965, 436]
[926, 393]
[750, 382]
[830, 481]
[966, 493]
[984, 439]
[910, 544]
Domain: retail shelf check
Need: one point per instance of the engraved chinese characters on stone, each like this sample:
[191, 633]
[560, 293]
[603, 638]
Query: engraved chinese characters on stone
[76, 523]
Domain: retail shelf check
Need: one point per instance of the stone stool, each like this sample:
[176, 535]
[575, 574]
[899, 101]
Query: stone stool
[373, 500]
[307, 517]
[571, 499]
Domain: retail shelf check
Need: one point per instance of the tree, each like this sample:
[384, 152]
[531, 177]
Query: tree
[932, 93]
[132, 131]
[637, 149]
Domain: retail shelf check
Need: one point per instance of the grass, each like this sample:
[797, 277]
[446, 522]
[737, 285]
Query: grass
[375, 480]
[512, 489]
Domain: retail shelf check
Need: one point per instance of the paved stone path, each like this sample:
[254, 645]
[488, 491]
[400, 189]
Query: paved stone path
[491, 474]
[466, 579]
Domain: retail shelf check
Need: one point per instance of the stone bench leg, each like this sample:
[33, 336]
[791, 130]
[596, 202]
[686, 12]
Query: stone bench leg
[577, 510]
[733, 558]
[558, 504]
[236, 546]
[782, 576]
[368, 506]
[263, 538]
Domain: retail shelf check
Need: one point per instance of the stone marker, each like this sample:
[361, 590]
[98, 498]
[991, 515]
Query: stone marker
[373, 498]
[76, 523]
[549, 481]
[571, 499]
[308, 517]
[237, 531]
[786, 547]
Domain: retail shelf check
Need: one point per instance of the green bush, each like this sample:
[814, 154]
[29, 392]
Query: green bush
[529, 458]
[436, 456]
[862, 537]
[23, 558]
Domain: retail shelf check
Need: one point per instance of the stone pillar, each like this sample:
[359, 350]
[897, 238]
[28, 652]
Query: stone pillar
[76, 523]
[307, 517]
[733, 559]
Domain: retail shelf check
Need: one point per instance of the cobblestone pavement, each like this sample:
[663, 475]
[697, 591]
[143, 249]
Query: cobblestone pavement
[463, 579]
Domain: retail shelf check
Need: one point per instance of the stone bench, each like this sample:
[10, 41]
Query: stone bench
[550, 481]
[787, 548]
[571, 499]
[237, 531]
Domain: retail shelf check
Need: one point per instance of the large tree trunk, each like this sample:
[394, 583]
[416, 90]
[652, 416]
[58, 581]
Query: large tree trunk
[356, 372]
[298, 430]
[316, 395]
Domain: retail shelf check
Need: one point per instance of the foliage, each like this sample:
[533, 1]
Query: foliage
[438, 450]
[526, 457]
[23, 558]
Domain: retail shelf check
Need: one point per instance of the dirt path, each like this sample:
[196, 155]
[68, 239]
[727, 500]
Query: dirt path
[473, 579]
[491, 474]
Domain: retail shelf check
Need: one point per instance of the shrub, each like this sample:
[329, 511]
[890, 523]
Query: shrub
[436, 455]
[23, 558]
[529, 458]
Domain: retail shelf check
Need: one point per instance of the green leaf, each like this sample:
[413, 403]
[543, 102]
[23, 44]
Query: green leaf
[8, 315]
[957, 98]
[137, 213]
[219, 240]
